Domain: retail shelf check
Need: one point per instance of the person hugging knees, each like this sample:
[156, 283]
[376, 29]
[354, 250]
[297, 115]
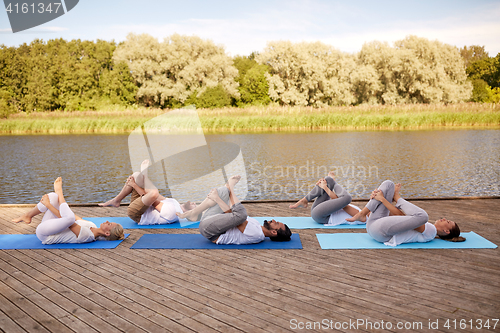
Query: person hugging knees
[60, 225]
[148, 206]
[224, 219]
[402, 222]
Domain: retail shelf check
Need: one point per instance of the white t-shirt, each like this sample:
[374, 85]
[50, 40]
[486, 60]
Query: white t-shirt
[413, 236]
[67, 236]
[253, 234]
[166, 216]
[340, 216]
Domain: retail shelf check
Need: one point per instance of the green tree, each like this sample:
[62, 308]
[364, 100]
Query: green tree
[168, 73]
[304, 73]
[473, 53]
[212, 97]
[254, 88]
[481, 91]
[416, 70]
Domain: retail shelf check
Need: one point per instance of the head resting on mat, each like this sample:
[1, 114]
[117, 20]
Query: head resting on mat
[448, 230]
[277, 231]
[112, 231]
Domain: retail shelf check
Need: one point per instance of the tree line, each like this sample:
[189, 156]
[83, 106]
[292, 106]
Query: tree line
[185, 70]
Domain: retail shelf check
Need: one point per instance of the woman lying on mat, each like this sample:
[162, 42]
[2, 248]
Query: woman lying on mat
[408, 223]
[222, 224]
[61, 225]
[147, 206]
[331, 204]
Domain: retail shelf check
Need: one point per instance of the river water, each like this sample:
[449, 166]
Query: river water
[283, 166]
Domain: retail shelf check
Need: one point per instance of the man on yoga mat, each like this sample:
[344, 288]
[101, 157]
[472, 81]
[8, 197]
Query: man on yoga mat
[223, 224]
[147, 206]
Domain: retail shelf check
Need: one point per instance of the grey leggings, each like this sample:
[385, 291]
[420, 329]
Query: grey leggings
[324, 206]
[214, 222]
[381, 227]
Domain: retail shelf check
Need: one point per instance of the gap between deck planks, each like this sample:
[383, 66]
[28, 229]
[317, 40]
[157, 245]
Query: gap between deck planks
[126, 290]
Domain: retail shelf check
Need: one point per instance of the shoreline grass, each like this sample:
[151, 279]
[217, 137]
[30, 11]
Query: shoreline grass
[266, 119]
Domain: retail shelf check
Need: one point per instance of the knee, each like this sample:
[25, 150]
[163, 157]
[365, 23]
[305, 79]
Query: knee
[239, 212]
[422, 216]
[54, 199]
[348, 198]
[386, 185]
[153, 194]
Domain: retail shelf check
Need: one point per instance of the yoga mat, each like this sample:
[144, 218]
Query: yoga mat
[31, 242]
[292, 222]
[197, 241]
[128, 223]
[297, 222]
[364, 241]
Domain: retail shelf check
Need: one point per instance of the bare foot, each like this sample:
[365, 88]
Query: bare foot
[231, 182]
[110, 203]
[58, 185]
[144, 165]
[188, 215]
[23, 218]
[397, 188]
[302, 202]
[357, 217]
[332, 174]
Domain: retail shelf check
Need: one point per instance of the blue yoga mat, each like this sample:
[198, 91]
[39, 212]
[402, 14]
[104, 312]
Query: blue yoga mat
[128, 223]
[304, 222]
[31, 242]
[364, 241]
[292, 222]
[197, 241]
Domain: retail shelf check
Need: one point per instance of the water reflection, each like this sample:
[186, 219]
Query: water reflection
[279, 165]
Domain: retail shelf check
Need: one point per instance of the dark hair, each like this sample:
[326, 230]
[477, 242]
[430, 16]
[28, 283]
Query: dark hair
[282, 235]
[454, 235]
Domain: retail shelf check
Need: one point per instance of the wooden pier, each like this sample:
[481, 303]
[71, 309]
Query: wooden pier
[125, 290]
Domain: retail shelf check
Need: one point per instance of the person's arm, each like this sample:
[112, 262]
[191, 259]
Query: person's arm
[324, 185]
[46, 203]
[215, 197]
[379, 195]
[242, 226]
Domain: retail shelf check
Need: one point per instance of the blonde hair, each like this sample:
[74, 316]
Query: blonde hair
[116, 233]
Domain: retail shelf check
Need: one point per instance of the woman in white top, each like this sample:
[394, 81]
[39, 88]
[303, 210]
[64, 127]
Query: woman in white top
[332, 202]
[61, 225]
[403, 222]
[148, 206]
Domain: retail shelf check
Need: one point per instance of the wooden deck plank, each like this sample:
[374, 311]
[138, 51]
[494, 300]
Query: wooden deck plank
[128, 309]
[251, 291]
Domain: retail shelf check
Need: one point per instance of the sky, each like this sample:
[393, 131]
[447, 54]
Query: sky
[246, 26]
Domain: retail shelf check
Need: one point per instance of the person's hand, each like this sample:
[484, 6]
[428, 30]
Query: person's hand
[131, 181]
[322, 183]
[45, 200]
[379, 195]
[213, 195]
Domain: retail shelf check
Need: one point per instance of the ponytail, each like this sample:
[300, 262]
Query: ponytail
[454, 235]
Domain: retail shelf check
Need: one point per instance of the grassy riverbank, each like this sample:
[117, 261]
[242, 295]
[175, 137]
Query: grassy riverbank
[272, 118]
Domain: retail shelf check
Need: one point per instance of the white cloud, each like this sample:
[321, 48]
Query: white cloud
[52, 29]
